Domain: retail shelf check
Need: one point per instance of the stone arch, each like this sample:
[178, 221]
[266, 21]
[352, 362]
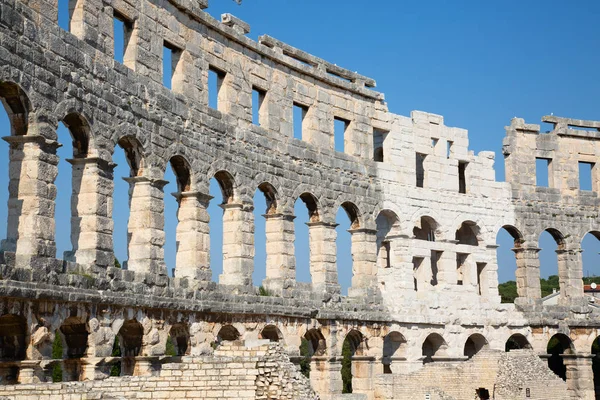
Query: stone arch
[353, 345]
[474, 344]
[517, 341]
[388, 224]
[514, 232]
[79, 128]
[271, 196]
[312, 204]
[227, 185]
[130, 341]
[392, 350]
[558, 345]
[75, 335]
[557, 236]
[353, 214]
[134, 153]
[468, 233]
[17, 106]
[426, 228]
[272, 333]
[433, 346]
[316, 341]
[228, 333]
[180, 337]
[183, 172]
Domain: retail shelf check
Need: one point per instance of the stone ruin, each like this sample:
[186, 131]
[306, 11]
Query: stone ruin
[424, 211]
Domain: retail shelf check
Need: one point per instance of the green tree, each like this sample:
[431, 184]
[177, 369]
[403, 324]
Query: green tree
[115, 370]
[346, 367]
[305, 361]
[117, 263]
[170, 347]
[508, 291]
[57, 354]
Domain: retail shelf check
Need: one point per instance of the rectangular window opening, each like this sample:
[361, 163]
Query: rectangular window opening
[434, 142]
[462, 180]
[258, 98]
[122, 29]
[585, 175]
[171, 55]
[385, 254]
[379, 137]
[416, 270]
[449, 144]
[542, 167]
[216, 77]
[460, 262]
[340, 126]
[435, 256]
[299, 112]
[480, 271]
[420, 169]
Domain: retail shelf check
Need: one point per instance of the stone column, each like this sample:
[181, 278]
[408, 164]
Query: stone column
[281, 260]
[193, 238]
[362, 375]
[364, 262]
[323, 269]
[31, 194]
[570, 274]
[91, 213]
[447, 275]
[580, 377]
[145, 230]
[528, 273]
[238, 245]
[326, 376]
[488, 277]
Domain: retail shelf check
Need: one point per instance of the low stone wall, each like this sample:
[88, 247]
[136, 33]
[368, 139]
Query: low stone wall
[264, 372]
[506, 376]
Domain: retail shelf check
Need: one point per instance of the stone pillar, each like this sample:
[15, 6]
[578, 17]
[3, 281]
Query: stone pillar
[364, 262]
[397, 281]
[580, 377]
[362, 375]
[281, 260]
[30, 372]
[570, 274]
[323, 268]
[145, 230]
[488, 276]
[238, 245]
[326, 376]
[193, 238]
[91, 213]
[528, 273]
[447, 274]
[31, 193]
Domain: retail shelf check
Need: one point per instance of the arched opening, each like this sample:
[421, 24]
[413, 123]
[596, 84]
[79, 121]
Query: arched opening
[13, 344]
[433, 346]
[474, 344]
[347, 220]
[467, 233]
[312, 344]
[557, 345]
[17, 107]
[271, 333]
[392, 343]
[178, 342]
[74, 334]
[75, 178]
[222, 190]
[507, 239]
[265, 206]
[129, 164]
[517, 342]
[178, 244]
[595, 350]
[425, 229]
[590, 257]
[228, 333]
[388, 224]
[550, 241]
[353, 346]
[306, 210]
[130, 342]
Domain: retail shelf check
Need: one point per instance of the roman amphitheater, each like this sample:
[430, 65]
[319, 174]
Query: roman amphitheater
[423, 316]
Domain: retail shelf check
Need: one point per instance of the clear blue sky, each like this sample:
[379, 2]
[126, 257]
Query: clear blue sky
[477, 63]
